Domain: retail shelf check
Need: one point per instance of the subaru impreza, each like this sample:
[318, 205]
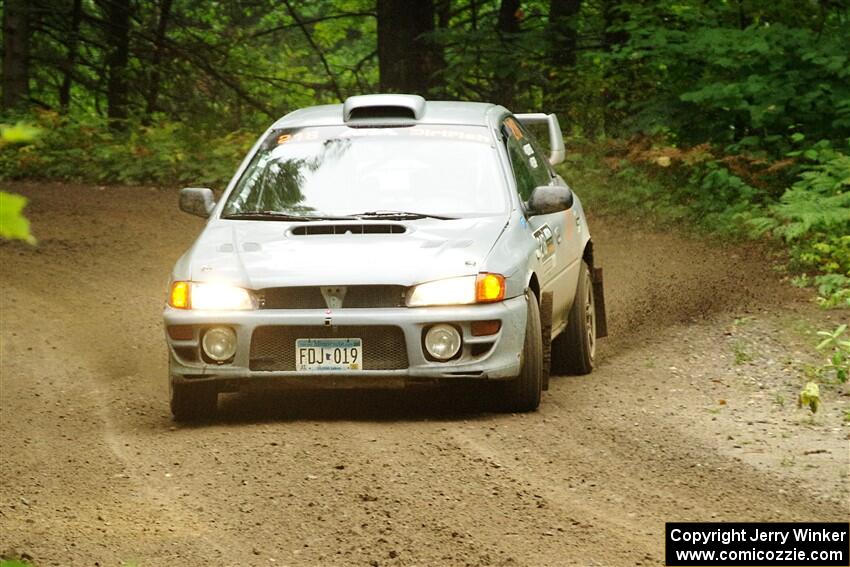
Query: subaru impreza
[385, 242]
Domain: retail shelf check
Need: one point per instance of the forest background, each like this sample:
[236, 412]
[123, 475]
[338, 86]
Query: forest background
[729, 116]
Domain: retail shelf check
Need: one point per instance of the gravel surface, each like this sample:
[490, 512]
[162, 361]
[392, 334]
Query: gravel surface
[691, 415]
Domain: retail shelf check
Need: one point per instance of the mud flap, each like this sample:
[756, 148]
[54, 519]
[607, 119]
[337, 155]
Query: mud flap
[599, 303]
[546, 330]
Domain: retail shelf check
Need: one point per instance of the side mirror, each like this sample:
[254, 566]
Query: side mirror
[548, 199]
[198, 201]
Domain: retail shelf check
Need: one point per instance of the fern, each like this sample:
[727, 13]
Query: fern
[802, 211]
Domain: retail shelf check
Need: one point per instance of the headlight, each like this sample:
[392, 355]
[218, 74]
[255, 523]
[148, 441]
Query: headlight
[220, 296]
[212, 296]
[452, 291]
[483, 288]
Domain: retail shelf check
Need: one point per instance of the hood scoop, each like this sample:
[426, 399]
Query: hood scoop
[360, 228]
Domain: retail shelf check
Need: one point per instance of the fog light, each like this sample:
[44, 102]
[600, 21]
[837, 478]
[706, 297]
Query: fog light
[442, 341]
[219, 343]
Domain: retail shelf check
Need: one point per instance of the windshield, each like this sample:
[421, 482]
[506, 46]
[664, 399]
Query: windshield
[332, 171]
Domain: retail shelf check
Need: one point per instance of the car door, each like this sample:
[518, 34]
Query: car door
[556, 232]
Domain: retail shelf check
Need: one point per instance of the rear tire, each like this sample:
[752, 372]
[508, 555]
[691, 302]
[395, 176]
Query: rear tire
[574, 350]
[522, 394]
[193, 402]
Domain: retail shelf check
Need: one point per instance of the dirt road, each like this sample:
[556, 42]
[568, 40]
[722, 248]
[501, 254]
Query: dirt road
[689, 416]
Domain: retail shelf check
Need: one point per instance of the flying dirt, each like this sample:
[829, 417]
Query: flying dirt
[675, 424]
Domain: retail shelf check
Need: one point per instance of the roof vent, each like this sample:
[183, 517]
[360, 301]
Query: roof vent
[383, 107]
[381, 112]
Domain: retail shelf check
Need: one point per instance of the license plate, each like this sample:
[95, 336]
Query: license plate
[328, 355]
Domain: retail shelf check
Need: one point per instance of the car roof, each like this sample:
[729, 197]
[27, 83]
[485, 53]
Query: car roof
[435, 112]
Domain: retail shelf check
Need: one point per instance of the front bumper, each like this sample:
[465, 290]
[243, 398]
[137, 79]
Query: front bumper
[500, 361]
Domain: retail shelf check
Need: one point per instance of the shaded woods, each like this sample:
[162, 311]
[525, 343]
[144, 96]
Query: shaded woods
[732, 114]
[225, 64]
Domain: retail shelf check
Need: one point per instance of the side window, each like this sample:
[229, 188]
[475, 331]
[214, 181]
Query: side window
[530, 169]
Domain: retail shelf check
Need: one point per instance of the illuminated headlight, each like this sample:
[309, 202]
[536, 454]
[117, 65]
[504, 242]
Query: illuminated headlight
[452, 291]
[483, 288]
[442, 341]
[212, 296]
[219, 343]
[220, 296]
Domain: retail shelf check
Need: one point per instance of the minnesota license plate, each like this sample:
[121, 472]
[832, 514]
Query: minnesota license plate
[328, 355]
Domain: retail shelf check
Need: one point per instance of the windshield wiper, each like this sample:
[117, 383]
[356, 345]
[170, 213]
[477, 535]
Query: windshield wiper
[279, 216]
[400, 215]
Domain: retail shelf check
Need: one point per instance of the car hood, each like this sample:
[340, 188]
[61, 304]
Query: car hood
[260, 254]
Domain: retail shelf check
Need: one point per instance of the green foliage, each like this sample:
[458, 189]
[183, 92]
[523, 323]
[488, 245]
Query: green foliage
[221, 66]
[813, 218]
[742, 355]
[20, 133]
[13, 224]
[719, 197]
[616, 186]
[817, 206]
[163, 152]
[833, 290]
[837, 349]
[736, 115]
[802, 201]
[763, 80]
[810, 396]
[751, 72]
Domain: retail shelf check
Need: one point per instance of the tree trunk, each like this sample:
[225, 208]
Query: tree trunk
[563, 46]
[504, 77]
[563, 32]
[613, 18]
[153, 84]
[406, 59]
[437, 84]
[16, 38]
[71, 56]
[117, 22]
[612, 38]
[444, 13]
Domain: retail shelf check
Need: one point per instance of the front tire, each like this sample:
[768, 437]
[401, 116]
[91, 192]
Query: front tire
[193, 402]
[522, 394]
[574, 350]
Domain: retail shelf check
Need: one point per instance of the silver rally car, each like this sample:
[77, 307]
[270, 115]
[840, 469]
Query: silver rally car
[383, 242]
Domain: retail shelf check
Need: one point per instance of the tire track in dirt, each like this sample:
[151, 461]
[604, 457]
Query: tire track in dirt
[344, 478]
[134, 499]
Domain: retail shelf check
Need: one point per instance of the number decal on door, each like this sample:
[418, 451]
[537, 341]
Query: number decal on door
[545, 242]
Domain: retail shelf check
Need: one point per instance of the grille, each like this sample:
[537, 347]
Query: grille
[374, 296]
[273, 348]
[292, 298]
[356, 296]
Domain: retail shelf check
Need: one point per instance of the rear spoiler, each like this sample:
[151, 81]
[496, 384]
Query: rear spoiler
[556, 139]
